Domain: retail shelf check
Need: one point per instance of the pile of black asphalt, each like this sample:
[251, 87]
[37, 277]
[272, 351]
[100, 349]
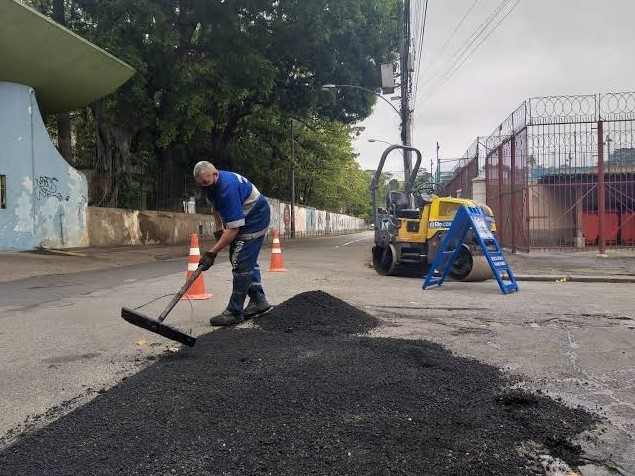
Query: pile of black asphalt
[305, 392]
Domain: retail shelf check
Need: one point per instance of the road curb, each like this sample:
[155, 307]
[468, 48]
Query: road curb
[575, 279]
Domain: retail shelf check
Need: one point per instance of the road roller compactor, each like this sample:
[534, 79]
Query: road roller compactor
[410, 229]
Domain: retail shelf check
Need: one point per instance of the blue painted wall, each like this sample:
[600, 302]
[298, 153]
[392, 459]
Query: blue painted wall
[46, 198]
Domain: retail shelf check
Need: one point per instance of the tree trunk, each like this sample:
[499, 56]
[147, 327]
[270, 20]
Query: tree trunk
[165, 183]
[113, 157]
[64, 143]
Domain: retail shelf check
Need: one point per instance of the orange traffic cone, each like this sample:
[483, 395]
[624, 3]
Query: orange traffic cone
[197, 289]
[276, 254]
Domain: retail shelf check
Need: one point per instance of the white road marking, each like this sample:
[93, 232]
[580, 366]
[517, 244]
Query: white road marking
[354, 241]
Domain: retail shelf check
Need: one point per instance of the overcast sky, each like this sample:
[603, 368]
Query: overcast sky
[543, 48]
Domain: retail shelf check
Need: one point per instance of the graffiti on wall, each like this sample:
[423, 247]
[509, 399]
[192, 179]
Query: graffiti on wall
[46, 187]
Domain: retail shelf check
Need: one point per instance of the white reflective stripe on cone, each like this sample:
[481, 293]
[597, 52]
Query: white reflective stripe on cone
[276, 240]
[192, 266]
[276, 251]
[195, 252]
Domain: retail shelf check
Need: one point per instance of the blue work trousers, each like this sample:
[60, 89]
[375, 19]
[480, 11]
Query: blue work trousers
[243, 255]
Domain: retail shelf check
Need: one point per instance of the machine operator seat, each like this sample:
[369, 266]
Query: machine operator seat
[397, 204]
[423, 200]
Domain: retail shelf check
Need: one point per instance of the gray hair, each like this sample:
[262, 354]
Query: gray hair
[203, 168]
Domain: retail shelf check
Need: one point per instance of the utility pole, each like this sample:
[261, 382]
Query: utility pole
[437, 178]
[406, 125]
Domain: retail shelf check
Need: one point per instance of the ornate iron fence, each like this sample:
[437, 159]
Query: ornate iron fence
[560, 173]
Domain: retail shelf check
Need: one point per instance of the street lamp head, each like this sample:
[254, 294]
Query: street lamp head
[382, 141]
[326, 87]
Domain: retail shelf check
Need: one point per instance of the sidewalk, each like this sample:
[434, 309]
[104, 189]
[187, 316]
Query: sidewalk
[618, 266]
[17, 265]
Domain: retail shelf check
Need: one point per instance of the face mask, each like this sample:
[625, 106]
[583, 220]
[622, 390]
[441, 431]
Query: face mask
[211, 186]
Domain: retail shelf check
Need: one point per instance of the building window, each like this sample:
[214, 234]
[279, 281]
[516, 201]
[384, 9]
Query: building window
[3, 191]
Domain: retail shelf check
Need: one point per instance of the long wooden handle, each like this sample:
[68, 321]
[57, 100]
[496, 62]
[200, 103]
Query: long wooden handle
[180, 294]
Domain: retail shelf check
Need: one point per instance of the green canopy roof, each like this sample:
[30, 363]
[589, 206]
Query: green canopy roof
[66, 71]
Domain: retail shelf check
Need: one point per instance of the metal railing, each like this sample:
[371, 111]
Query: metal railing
[560, 173]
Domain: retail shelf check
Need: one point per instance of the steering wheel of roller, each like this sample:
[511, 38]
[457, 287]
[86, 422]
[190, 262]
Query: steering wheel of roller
[428, 188]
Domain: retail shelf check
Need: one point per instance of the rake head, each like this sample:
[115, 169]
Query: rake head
[153, 325]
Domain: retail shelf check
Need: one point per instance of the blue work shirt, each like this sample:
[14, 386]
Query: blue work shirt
[238, 202]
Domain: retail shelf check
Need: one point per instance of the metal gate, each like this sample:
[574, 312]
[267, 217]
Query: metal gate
[560, 173]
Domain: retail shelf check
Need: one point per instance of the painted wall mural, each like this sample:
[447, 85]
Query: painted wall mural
[311, 222]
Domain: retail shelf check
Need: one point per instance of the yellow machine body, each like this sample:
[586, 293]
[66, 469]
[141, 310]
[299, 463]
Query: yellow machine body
[417, 236]
[410, 229]
[436, 216]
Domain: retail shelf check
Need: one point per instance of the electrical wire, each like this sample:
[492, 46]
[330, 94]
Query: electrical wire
[464, 48]
[458, 25]
[449, 72]
[475, 48]
[466, 51]
[420, 54]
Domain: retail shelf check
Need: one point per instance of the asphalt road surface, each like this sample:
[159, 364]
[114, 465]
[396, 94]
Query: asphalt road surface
[64, 343]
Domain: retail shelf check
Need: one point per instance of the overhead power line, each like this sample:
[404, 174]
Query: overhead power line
[466, 50]
[420, 49]
[458, 25]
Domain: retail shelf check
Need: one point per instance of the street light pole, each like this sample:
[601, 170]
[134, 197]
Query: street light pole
[405, 123]
[379, 140]
[437, 178]
[327, 87]
[385, 142]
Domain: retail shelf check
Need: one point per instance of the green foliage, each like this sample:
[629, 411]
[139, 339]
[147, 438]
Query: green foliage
[130, 192]
[219, 80]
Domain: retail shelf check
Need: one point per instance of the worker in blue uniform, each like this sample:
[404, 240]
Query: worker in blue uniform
[241, 214]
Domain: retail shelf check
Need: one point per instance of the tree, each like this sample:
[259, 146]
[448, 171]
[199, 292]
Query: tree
[213, 75]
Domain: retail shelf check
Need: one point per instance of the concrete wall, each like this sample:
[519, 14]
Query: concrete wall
[311, 222]
[479, 191]
[45, 197]
[116, 227]
[551, 221]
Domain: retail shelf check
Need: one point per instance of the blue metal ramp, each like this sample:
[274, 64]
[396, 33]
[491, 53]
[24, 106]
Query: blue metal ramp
[466, 219]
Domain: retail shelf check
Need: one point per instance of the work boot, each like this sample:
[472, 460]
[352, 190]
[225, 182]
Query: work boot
[254, 309]
[226, 318]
